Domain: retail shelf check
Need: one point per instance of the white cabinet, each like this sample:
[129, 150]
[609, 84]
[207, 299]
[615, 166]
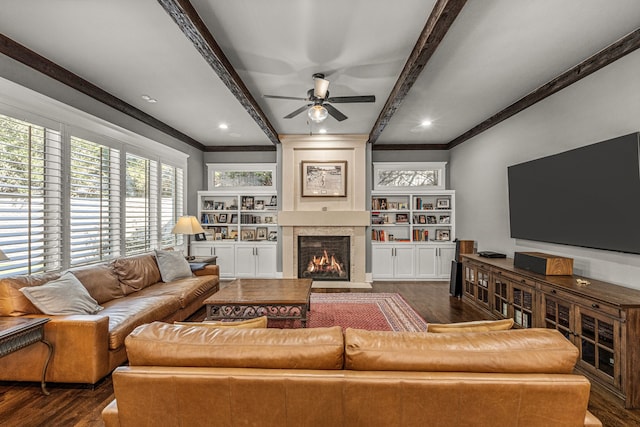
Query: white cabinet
[434, 261]
[257, 261]
[392, 261]
[225, 256]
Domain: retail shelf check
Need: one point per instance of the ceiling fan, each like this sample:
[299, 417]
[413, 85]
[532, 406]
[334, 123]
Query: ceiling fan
[319, 102]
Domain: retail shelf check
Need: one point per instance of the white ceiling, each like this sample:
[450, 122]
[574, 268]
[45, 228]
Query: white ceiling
[496, 52]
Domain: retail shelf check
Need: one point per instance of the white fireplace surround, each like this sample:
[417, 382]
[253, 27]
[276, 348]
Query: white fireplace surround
[324, 216]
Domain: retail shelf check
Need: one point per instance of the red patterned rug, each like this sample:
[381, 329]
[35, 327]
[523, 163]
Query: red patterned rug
[370, 311]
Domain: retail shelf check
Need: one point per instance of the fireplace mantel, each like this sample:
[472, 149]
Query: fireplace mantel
[323, 218]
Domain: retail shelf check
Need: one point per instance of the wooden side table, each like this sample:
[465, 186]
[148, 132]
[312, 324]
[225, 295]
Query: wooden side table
[20, 332]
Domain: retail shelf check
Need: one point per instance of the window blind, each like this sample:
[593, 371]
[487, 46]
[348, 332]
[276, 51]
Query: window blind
[171, 204]
[141, 204]
[94, 202]
[30, 197]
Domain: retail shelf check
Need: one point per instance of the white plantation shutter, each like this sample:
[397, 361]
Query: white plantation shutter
[94, 202]
[30, 197]
[141, 204]
[171, 204]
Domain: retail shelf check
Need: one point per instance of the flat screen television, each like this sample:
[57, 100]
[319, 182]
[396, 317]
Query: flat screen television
[588, 197]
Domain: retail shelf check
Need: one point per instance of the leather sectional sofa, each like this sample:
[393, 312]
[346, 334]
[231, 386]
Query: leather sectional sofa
[87, 347]
[198, 375]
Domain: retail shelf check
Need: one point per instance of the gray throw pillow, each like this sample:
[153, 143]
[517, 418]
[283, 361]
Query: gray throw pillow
[172, 265]
[62, 296]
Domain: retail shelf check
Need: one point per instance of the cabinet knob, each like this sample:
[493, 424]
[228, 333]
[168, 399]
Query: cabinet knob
[553, 291]
[594, 305]
[523, 280]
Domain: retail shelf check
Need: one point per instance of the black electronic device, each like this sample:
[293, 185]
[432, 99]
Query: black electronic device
[491, 254]
[565, 198]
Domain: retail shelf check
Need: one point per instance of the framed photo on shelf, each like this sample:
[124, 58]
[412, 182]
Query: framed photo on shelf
[324, 179]
[444, 219]
[219, 206]
[222, 218]
[234, 218]
[259, 205]
[422, 219]
[248, 234]
[247, 203]
[274, 201]
[443, 204]
[427, 206]
[200, 237]
[273, 236]
[402, 218]
[261, 233]
[443, 235]
[431, 219]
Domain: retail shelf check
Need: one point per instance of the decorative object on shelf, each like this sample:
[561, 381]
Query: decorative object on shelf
[324, 179]
[248, 234]
[582, 282]
[442, 235]
[261, 233]
[443, 204]
[402, 218]
[273, 236]
[188, 225]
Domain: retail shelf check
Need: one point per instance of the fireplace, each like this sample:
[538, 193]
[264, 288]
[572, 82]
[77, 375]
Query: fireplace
[324, 257]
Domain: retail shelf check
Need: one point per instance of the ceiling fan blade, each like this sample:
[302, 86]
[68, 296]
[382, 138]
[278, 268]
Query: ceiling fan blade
[298, 111]
[320, 87]
[285, 97]
[334, 112]
[346, 99]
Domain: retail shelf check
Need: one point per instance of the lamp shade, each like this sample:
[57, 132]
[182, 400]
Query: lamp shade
[3, 257]
[187, 225]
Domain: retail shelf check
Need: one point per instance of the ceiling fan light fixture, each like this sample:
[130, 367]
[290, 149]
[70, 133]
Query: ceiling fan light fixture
[318, 113]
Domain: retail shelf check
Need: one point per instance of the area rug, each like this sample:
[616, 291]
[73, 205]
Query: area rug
[370, 311]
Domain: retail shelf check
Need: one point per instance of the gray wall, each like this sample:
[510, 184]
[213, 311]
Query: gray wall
[599, 107]
[27, 77]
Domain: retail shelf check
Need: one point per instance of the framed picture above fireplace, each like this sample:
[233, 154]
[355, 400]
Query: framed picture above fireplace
[324, 179]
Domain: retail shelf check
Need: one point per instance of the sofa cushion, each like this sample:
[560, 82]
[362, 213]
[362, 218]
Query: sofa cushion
[128, 313]
[186, 290]
[513, 351]
[172, 265]
[256, 323]
[475, 326]
[12, 301]
[162, 344]
[62, 296]
[100, 281]
[136, 272]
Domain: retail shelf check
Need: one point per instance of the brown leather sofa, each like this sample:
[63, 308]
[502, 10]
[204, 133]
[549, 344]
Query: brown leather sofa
[197, 376]
[88, 347]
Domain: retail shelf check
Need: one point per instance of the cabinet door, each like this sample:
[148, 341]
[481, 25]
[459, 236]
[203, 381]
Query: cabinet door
[523, 304]
[597, 339]
[226, 260]
[426, 262]
[404, 262]
[469, 280]
[266, 261]
[443, 261]
[245, 261]
[558, 314]
[382, 262]
[199, 249]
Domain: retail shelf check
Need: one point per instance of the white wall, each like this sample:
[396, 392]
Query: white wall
[601, 106]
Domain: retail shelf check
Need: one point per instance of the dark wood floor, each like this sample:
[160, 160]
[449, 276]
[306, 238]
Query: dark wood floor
[22, 405]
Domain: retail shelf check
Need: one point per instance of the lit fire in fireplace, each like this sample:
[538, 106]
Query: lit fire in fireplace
[324, 264]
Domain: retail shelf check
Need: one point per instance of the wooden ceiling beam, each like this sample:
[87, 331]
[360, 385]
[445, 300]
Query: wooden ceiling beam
[442, 17]
[185, 16]
[31, 59]
[606, 56]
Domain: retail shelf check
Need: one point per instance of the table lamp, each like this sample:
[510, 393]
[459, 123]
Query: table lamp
[188, 225]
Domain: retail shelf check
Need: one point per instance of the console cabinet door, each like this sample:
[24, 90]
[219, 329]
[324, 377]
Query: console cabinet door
[266, 261]
[446, 254]
[245, 261]
[226, 260]
[404, 262]
[382, 262]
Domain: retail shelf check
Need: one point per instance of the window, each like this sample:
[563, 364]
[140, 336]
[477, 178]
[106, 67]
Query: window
[409, 176]
[94, 202]
[171, 204]
[249, 177]
[30, 197]
[71, 197]
[141, 205]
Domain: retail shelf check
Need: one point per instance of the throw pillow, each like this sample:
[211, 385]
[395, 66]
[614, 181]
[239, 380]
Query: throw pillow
[257, 323]
[172, 265]
[475, 326]
[62, 296]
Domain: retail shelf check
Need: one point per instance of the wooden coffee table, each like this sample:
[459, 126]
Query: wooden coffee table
[249, 298]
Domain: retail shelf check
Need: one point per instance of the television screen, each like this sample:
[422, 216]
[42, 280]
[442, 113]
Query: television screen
[587, 197]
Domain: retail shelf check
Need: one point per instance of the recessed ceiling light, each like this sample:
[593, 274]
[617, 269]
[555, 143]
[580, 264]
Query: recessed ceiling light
[426, 123]
[149, 99]
[223, 126]
[323, 130]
